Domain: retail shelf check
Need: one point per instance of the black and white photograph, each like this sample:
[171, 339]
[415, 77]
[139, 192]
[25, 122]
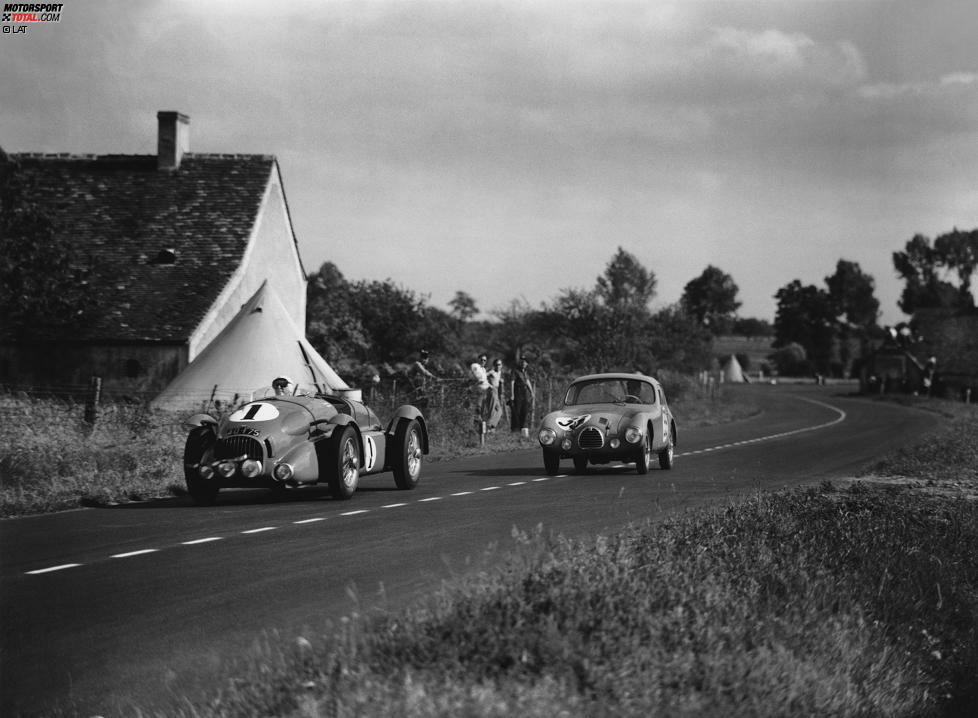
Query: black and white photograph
[488, 358]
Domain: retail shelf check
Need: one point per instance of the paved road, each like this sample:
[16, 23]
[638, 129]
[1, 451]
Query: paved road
[106, 609]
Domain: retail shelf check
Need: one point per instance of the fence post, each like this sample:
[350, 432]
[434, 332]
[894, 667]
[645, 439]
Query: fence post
[94, 397]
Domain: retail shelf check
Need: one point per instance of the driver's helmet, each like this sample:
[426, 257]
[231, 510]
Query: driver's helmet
[282, 385]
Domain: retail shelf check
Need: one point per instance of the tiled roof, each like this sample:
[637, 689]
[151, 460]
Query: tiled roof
[176, 236]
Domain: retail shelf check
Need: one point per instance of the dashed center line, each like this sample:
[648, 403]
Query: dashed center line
[53, 568]
[134, 553]
[194, 542]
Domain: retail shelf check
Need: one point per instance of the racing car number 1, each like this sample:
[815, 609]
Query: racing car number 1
[255, 412]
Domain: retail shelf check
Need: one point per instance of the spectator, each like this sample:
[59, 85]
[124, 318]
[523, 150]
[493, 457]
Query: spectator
[419, 375]
[494, 409]
[480, 390]
[521, 398]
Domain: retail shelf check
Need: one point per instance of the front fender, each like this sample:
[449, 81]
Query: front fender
[304, 460]
[408, 412]
[198, 420]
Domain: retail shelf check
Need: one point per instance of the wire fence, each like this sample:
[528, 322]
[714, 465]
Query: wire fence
[454, 396]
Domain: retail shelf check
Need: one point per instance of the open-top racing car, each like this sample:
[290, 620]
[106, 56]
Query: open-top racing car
[292, 437]
[610, 417]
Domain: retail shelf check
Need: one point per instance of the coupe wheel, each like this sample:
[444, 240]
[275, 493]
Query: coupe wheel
[407, 454]
[198, 442]
[644, 457]
[667, 456]
[344, 464]
[551, 462]
[580, 464]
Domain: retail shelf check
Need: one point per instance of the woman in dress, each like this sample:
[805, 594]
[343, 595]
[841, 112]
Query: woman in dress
[495, 402]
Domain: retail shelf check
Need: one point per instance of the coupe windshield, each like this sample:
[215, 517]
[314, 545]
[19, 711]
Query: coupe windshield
[610, 391]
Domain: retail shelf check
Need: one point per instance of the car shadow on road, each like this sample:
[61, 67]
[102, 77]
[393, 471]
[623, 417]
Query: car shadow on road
[538, 471]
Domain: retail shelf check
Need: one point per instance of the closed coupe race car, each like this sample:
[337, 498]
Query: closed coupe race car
[296, 437]
[610, 417]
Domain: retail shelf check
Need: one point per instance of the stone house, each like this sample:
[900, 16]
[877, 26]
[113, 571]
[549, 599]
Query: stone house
[196, 235]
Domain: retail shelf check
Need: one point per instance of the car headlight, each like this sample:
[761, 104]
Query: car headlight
[250, 468]
[566, 444]
[547, 437]
[633, 435]
[282, 472]
[204, 471]
[226, 469]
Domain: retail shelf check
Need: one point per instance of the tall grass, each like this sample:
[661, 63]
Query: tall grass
[814, 602]
[51, 459]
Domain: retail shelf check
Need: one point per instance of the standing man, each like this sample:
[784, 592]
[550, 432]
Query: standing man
[522, 398]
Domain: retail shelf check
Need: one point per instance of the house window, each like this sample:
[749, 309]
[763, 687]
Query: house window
[133, 368]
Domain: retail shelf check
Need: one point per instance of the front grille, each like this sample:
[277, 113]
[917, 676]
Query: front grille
[234, 446]
[590, 438]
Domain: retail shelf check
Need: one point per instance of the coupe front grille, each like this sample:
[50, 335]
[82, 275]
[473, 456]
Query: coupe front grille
[590, 438]
[234, 446]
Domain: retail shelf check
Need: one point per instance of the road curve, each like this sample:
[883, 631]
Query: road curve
[106, 609]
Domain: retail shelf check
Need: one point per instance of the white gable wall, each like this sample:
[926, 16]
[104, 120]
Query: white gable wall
[271, 256]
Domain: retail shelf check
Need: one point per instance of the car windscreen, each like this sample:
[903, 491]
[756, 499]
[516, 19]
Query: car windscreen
[610, 391]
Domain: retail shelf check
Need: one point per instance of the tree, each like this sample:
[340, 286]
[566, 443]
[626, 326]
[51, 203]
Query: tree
[752, 327]
[332, 324]
[851, 293]
[44, 276]
[463, 306]
[677, 341]
[711, 299]
[806, 316]
[626, 285]
[927, 271]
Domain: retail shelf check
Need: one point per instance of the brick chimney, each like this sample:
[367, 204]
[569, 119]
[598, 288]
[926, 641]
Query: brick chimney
[173, 139]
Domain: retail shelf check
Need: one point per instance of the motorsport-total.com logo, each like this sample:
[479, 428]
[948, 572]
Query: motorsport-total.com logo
[24, 14]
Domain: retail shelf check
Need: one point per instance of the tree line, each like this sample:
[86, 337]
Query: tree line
[375, 326]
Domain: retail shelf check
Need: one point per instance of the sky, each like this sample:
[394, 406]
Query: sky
[507, 149]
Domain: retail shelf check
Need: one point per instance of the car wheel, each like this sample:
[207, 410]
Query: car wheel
[407, 454]
[344, 464]
[644, 457]
[198, 442]
[667, 456]
[580, 464]
[551, 462]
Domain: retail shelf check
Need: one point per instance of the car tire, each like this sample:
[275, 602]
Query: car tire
[199, 441]
[343, 463]
[551, 462]
[667, 456]
[406, 463]
[644, 458]
[580, 464]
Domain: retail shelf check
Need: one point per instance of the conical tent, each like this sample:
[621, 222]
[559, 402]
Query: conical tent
[260, 343]
[732, 372]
